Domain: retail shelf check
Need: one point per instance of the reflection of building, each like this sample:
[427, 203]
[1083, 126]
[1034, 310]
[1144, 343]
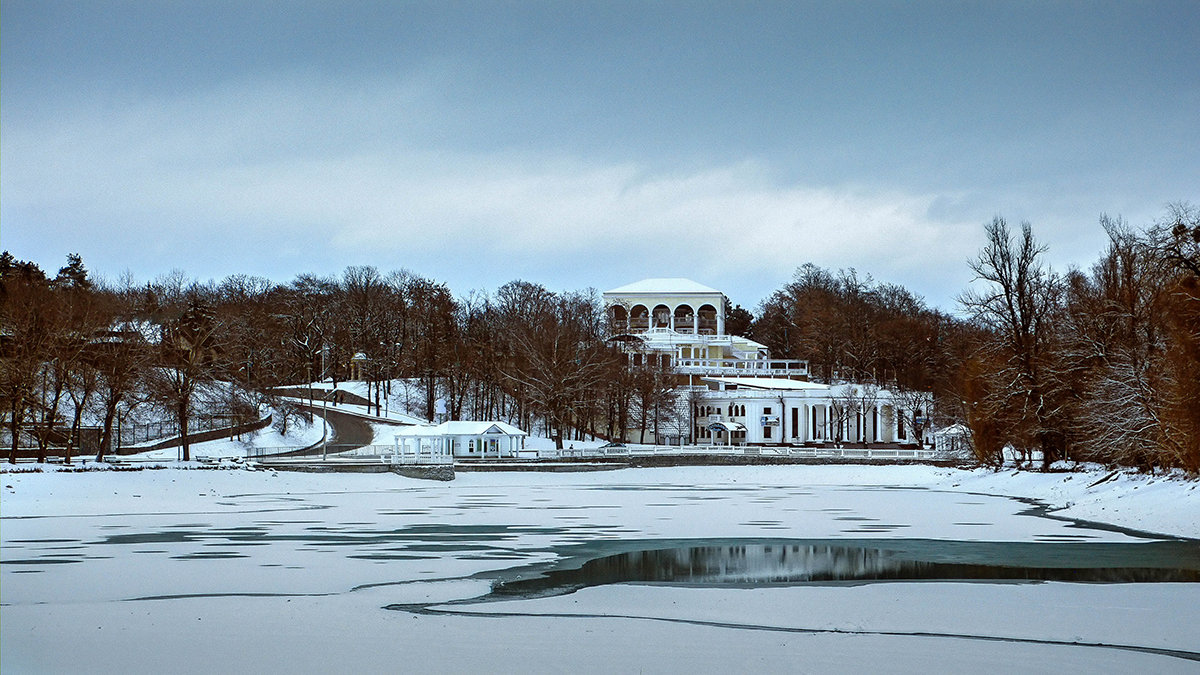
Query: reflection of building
[731, 390]
[680, 325]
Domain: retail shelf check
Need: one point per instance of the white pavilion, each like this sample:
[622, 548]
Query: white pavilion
[460, 439]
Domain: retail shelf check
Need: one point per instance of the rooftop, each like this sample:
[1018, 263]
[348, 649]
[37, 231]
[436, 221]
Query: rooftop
[768, 383]
[677, 285]
[462, 428]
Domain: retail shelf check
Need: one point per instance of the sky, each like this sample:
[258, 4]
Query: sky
[584, 144]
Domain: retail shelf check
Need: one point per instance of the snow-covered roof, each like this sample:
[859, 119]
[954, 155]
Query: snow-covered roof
[462, 428]
[775, 383]
[676, 285]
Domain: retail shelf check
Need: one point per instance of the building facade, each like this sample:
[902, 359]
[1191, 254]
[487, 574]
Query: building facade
[679, 325]
[768, 411]
[730, 390]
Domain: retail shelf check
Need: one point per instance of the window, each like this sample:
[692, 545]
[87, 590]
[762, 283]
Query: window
[766, 411]
[766, 432]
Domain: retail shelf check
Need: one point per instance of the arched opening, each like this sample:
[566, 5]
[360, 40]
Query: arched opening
[639, 318]
[684, 319]
[618, 319]
[707, 315]
[662, 316]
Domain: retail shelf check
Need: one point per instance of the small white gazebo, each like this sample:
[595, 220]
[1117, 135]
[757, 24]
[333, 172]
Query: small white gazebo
[954, 440]
[463, 439]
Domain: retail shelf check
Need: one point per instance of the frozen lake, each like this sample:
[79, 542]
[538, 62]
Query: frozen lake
[660, 570]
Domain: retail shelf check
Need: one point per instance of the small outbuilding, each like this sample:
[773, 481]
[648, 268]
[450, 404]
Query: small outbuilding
[954, 440]
[461, 439]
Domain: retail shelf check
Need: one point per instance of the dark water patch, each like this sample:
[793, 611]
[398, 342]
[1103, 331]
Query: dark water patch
[879, 527]
[449, 548]
[755, 563]
[45, 541]
[862, 518]
[982, 524]
[42, 561]
[340, 537]
[210, 555]
[386, 556]
[193, 596]
[161, 537]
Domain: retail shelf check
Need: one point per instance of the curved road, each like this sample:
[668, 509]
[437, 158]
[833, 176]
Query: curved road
[347, 432]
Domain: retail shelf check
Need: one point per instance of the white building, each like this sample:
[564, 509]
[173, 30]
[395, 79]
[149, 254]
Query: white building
[731, 390]
[680, 325]
[478, 440]
[791, 412]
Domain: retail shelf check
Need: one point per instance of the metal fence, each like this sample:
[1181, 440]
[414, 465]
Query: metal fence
[332, 453]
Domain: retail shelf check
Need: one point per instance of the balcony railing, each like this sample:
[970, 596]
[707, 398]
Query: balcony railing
[735, 367]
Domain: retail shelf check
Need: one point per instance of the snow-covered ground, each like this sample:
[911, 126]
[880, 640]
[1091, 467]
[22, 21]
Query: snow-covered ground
[231, 570]
[300, 434]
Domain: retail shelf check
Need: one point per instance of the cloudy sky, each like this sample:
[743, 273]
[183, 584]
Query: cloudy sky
[587, 144]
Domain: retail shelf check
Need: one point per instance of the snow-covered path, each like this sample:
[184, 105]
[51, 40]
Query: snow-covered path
[216, 570]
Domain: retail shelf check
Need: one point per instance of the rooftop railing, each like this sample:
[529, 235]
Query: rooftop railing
[734, 367]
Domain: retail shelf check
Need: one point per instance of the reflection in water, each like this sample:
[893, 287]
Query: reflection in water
[767, 564]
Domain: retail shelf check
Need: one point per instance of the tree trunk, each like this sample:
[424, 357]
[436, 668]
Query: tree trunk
[15, 427]
[110, 411]
[181, 414]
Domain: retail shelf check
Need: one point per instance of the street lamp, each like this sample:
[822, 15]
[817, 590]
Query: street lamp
[324, 411]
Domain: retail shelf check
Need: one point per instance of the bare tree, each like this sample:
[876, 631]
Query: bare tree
[1017, 302]
[188, 357]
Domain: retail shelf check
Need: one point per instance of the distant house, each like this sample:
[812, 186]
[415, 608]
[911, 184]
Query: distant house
[730, 390]
[954, 440]
[461, 439]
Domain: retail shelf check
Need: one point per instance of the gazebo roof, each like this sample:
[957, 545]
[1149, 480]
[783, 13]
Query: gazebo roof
[463, 428]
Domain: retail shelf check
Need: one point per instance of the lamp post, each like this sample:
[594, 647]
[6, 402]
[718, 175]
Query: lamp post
[324, 412]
